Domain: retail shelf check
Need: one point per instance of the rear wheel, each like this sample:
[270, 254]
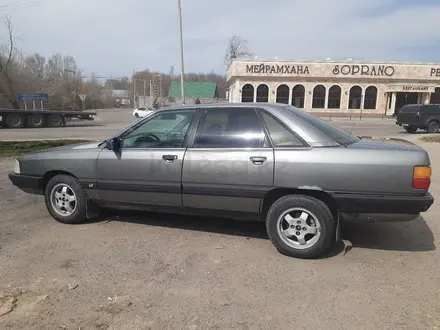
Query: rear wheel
[410, 129]
[433, 127]
[65, 199]
[300, 226]
[15, 120]
[36, 121]
[55, 121]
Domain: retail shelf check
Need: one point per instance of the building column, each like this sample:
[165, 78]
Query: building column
[255, 93]
[308, 100]
[290, 95]
[426, 98]
[236, 95]
[393, 103]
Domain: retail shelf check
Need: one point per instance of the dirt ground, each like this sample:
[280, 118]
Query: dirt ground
[145, 271]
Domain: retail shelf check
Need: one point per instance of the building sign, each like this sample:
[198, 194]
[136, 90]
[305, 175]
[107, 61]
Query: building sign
[415, 88]
[32, 96]
[435, 72]
[364, 70]
[277, 69]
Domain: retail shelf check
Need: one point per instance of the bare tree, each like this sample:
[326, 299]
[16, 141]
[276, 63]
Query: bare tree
[237, 48]
[7, 88]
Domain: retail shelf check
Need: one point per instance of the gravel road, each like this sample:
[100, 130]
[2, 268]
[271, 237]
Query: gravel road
[147, 271]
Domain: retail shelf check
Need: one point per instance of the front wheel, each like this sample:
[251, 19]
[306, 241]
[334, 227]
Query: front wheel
[410, 129]
[65, 199]
[300, 226]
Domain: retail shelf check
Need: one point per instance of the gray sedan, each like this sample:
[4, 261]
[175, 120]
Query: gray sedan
[267, 162]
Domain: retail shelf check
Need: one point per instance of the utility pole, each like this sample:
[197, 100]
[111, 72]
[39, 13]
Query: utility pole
[134, 93]
[182, 89]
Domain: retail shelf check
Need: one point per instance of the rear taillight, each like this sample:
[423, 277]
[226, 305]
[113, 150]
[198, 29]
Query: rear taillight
[421, 177]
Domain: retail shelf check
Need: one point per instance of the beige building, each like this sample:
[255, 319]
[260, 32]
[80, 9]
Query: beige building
[348, 86]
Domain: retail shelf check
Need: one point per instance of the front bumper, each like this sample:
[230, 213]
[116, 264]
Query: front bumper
[28, 184]
[376, 208]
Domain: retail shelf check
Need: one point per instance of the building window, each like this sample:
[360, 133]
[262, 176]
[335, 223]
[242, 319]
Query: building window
[354, 101]
[298, 96]
[263, 93]
[370, 99]
[435, 97]
[318, 101]
[247, 93]
[334, 97]
[283, 94]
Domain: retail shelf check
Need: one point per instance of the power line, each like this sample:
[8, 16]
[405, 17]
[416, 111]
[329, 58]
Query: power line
[23, 4]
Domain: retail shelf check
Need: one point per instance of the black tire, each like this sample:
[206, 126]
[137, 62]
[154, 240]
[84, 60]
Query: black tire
[55, 121]
[433, 127]
[136, 115]
[79, 212]
[36, 121]
[315, 208]
[410, 129]
[15, 120]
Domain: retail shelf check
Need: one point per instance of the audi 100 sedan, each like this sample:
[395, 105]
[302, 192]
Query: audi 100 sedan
[270, 162]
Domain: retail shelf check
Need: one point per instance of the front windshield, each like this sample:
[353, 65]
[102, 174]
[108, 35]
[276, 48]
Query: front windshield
[335, 133]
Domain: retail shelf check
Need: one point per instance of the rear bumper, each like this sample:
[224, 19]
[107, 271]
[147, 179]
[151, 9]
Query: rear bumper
[382, 208]
[26, 183]
[412, 124]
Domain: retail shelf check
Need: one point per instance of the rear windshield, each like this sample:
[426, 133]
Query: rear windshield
[409, 109]
[335, 133]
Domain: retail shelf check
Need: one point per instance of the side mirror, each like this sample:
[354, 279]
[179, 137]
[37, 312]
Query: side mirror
[113, 144]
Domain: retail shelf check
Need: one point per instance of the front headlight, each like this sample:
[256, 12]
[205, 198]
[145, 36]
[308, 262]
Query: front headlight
[17, 167]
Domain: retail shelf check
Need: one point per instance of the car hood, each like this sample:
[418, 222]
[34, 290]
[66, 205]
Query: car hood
[76, 146]
[384, 143]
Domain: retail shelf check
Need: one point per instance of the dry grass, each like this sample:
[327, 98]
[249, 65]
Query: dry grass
[16, 148]
[431, 138]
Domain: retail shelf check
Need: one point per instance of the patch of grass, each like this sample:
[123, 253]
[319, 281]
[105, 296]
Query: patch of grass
[17, 148]
[431, 138]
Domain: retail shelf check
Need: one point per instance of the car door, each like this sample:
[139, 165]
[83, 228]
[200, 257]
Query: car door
[229, 167]
[147, 167]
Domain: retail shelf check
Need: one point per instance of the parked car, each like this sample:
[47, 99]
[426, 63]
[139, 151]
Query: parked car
[419, 116]
[268, 162]
[142, 112]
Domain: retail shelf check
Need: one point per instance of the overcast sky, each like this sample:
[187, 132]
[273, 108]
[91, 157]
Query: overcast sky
[115, 37]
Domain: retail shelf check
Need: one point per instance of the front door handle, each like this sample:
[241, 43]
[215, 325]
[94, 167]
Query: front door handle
[258, 160]
[169, 158]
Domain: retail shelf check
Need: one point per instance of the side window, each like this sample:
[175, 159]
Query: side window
[165, 130]
[280, 136]
[230, 128]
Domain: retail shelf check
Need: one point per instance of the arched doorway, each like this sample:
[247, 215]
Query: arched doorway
[263, 93]
[283, 94]
[435, 97]
[298, 96]
[355, 97]
[247, 93]
[319, 94]
[370, 99]
[334, 97]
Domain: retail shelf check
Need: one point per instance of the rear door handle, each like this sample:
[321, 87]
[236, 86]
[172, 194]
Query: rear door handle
[258, 160]
[169, 158]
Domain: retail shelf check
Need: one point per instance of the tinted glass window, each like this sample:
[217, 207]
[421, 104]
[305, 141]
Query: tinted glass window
[280, 135]
[166, 130]
[335, 133]
[230, 128]
[409, 109]
[430, 110]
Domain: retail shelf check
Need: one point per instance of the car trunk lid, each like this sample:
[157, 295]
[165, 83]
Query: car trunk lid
[370, 142]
